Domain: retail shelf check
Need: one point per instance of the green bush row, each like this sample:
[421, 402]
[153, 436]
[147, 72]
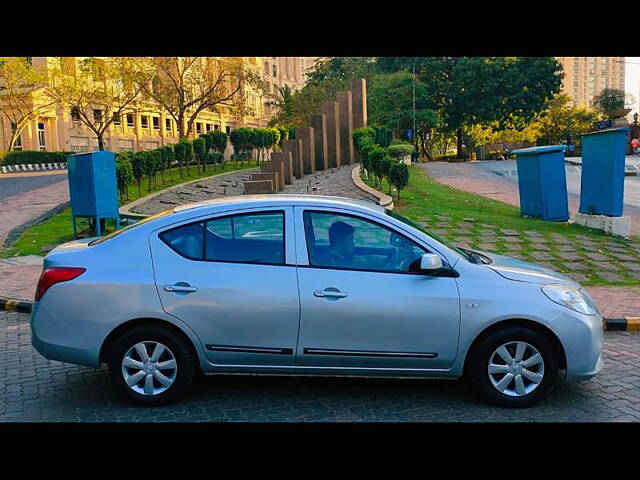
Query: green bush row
[35, 156]
[208, 149]
[377, 160]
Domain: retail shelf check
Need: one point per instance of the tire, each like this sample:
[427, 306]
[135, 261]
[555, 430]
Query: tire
[530, 392]
[175, 349]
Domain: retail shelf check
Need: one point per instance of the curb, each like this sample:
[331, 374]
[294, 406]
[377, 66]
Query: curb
[610, 324]
[19, 306]
[384, 200]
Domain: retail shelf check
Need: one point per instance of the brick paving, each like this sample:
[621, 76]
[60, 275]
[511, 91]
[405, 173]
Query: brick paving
[35, 389]
[335, 181]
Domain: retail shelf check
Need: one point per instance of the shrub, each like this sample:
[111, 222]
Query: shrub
[382, 136]
[242, 141]
[376, 157]
[219, 141]
[27, 156]
[137, 164]
[199, 150]
[399, 176]
[360, 135]
[400, 150]
[184, 154]
[124, 174]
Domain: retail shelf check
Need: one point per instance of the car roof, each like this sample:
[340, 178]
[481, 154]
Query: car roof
[248, 201]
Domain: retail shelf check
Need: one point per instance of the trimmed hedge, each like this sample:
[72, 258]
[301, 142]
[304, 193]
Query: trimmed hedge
[400, 150]
[35, 156]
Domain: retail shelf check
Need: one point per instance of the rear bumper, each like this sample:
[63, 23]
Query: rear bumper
[62, 340]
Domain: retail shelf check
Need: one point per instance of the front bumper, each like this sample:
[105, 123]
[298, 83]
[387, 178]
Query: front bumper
[582, 338]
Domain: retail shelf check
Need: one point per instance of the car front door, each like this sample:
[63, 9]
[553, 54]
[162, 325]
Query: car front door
[361, 307]
[232, 278]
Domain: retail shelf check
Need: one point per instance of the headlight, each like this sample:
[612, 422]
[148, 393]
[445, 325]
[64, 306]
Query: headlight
[570, 298]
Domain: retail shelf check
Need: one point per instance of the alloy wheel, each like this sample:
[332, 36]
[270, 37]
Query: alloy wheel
[149, 368]
[516, 369]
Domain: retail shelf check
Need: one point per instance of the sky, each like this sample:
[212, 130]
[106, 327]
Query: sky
[632, 79]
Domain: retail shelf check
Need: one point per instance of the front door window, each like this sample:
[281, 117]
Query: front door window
[347, 242]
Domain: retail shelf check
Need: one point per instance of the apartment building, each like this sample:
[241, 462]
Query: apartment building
[148, 125]
[585, 77]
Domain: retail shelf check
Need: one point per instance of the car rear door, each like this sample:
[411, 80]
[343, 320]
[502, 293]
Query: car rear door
[232, 278]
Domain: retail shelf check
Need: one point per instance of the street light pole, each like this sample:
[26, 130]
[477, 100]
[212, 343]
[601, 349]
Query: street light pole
[414, 104]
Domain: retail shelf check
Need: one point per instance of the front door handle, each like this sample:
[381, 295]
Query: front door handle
[330, 292]
[180, 287]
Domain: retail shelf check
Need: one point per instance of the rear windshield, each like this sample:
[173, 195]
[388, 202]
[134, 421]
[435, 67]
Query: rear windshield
[97, 241]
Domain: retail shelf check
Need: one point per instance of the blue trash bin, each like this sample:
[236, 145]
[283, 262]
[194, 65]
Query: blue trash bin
[542, 182]
[602, 179]
[93, 187]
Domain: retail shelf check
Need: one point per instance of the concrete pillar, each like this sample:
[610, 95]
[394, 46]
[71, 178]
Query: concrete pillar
[277, 167]
[284, 158]
[359, 102]
[297, 156]
[319, 124]
[332, 112]
[346, 127]
[307, 137]
[52, 134]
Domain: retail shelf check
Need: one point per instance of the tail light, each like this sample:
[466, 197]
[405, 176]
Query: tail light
[53, 275]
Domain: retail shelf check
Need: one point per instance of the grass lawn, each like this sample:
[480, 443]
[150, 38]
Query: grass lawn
[588, 255]
[58, 229]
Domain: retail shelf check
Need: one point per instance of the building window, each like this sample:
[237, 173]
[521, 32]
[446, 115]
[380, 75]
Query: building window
[97, 115]
[275, 71]
[144, 121]
[130, 121]
[228, 129]
[116, 118]
[208, 127]
[75, 114]
[167, 124]
[216, 127]
[198, 127]
[156, 123]
[42, 144]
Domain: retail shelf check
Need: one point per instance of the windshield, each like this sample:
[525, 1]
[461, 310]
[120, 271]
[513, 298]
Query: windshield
[97, 241]
[464, 253]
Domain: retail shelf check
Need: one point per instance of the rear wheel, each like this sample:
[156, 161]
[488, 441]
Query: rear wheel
[150, 365]
[515, 367]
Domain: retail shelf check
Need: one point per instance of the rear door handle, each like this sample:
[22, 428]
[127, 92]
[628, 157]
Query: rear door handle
[182, 288]
[334, 293]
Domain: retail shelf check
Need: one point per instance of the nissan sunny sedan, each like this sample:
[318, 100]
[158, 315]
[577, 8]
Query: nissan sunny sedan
[311, 285]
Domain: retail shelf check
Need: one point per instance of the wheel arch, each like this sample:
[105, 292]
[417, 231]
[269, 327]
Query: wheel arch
[519, 322]
[108, 342]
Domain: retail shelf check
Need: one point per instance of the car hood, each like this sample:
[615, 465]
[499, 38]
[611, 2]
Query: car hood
[521, 271]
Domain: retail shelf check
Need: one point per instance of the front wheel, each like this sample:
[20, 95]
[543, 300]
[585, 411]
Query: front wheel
[514, 367]
[151, 365]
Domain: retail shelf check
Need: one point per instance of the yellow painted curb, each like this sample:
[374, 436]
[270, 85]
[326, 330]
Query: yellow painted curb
[633, 323]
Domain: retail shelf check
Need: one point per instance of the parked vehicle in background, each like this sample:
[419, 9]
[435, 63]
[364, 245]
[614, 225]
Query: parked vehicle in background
[288, 284]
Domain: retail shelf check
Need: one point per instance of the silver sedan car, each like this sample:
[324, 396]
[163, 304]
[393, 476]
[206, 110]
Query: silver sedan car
[311, 285]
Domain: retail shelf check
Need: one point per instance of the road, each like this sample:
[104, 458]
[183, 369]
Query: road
[35, 389]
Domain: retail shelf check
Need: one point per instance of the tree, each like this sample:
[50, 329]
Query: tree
[184, 154]
[21, 95]
[399, 176]
[609, 101]
[561, 122]
[324, 80]
[186, 86]
[390, 103]
[98, 91]
[467, 91]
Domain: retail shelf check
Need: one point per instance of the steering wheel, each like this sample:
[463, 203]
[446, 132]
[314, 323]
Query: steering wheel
[401, 257]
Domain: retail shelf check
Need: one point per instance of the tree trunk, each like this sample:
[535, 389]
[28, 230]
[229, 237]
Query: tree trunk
[459, 143]
[100, 141]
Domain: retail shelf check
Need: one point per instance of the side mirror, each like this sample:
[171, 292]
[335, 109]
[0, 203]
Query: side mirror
[430, 262]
